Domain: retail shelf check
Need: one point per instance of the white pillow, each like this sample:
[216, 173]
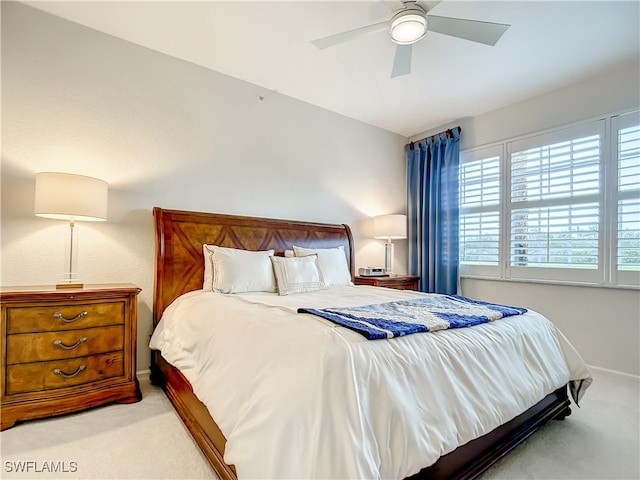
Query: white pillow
[297, 274]
[207, 284]
[331, 262]
[236, 271]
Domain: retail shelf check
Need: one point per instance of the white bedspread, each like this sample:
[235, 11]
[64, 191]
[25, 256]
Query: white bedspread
[297, 396]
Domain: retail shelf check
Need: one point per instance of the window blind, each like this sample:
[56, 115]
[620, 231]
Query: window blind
[565, 169]
[555, 195]
[556, 206]
[628, 231]
[480, 238]
[555, 237]
[479, 211]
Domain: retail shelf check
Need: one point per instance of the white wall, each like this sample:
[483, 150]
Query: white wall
[164, 132]
[602, 323]
[167, 133]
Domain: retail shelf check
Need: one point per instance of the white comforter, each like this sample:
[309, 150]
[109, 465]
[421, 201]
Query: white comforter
[299, 397]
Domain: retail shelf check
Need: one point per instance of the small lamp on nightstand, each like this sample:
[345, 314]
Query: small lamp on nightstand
[389, 227]
[64, 196]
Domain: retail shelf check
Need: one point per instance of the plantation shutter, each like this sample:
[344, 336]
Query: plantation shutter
[480, 178]
[555, 204]
[628, 199]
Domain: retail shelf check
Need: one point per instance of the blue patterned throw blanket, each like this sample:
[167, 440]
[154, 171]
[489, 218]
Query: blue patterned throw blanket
[429, 314]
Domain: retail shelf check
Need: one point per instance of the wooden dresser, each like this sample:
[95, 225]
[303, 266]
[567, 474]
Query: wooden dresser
[399, 282]
[66, 350]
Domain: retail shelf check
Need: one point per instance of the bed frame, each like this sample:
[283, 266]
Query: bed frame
[179, 269]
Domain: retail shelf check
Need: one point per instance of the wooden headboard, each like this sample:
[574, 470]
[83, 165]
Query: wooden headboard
[181, 234]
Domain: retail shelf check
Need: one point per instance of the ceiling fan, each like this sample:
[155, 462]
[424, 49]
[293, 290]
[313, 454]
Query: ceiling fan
[410, 23]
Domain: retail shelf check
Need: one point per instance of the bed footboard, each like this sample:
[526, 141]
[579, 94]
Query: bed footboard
[470, 460]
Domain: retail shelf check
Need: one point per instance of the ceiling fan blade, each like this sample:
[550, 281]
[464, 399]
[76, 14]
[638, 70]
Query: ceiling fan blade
[332, 40]
[401, 61]
[393, 5]
[475, 30]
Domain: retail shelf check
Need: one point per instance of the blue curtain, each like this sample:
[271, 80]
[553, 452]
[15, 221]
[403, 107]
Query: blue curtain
[432, 211]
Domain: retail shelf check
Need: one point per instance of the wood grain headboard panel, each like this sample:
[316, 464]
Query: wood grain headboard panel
[181, 234]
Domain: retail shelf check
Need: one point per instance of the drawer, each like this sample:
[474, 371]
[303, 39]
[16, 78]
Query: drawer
[43, 346]
[46, 318]
[38, 376]
[404, 286]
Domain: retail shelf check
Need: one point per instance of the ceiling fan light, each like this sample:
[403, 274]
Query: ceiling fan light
[408, 28]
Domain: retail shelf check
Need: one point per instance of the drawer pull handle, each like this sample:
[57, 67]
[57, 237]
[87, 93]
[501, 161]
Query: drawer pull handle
[57, 371]
[59, 343]
[70, 320]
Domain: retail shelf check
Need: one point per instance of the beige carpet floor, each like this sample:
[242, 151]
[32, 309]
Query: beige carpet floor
[147, 440]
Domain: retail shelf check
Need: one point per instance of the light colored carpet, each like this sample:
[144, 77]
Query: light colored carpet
[147, 440]
[600, 440]
[144, 440]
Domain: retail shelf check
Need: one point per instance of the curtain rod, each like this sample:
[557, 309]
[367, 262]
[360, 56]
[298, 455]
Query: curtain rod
[448, 133]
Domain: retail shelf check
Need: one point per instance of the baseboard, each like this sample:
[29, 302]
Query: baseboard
[616, 373]
[141, 373]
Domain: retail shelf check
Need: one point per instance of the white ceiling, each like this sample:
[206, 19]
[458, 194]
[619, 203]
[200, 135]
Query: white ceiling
[549, 44]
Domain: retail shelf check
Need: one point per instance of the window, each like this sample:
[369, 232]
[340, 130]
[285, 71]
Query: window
[627, 230]
[565, 207]
[480, 209]
[554, 206]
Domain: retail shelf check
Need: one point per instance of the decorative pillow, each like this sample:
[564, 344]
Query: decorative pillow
[332, 264]
[297, 274]
[236, 271]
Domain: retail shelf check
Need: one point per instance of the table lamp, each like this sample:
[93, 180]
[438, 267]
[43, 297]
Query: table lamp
[64, 196]
[389, 227]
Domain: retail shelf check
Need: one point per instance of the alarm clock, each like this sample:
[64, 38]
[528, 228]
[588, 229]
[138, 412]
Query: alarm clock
[371, 272]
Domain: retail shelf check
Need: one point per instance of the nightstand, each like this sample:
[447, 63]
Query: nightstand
[399, 282]
[66, 350]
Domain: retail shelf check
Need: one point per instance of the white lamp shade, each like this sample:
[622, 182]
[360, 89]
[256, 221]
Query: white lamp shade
[65, 196]
[390, 226]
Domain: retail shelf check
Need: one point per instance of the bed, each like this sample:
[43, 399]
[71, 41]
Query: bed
[180, 236]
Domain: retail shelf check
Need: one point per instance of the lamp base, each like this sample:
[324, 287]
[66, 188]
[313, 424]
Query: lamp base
[388, 258]
[69, 280]
[61, 286]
